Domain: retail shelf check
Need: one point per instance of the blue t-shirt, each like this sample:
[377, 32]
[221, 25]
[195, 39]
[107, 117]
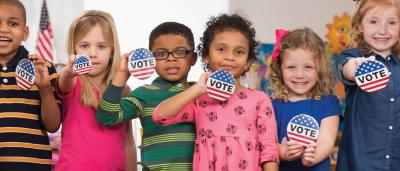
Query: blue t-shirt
[317, 109]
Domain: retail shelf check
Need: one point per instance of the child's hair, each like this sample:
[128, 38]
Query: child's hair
[361, 8]
[227, 22]
[302, 38]
[79, 28]
[172, 28]
[17, 4]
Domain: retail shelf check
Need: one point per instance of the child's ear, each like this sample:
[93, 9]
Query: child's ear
[25, 33]
[206, 60]
[248, 66]
[194, 58]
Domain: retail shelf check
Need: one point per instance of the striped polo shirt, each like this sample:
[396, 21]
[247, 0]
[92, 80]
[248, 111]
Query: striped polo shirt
[163, 147]
[24, 144]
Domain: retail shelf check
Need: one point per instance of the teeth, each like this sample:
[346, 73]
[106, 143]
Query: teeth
[5, 39]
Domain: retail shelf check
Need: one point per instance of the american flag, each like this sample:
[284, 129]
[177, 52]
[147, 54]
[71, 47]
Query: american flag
[44, 47]
[25, 74]
[221, 76]
[82, 65]
[369, 78]
[303, 129]
[138, 57]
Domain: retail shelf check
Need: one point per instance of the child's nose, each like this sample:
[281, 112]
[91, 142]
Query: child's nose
[4, 28]
[382, 29]
[92, 52]
[229, 56]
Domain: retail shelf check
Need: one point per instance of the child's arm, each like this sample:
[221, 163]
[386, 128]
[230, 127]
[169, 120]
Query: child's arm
[67, 78]
[130, 149]
[50, 111]
[290, 150]
[114, 109]
[350, 68]
[316, 152]
[270, 166]
[267, 134]
[171, 106]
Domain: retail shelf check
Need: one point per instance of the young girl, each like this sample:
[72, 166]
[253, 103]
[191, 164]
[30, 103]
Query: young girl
[371, 133]
[237, 134]
[302, 84]
[86, 144]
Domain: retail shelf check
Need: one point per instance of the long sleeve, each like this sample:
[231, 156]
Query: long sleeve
[267, 132]
[343, 58]
[185, 115]
[114, 109]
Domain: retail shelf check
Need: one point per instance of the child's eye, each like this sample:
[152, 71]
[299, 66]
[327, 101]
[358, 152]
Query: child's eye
[102, 46]
[240, 52]
[84, 46]
[373, 21]
[13, 24]
[309, 67]
[220, 49]
[393, 22]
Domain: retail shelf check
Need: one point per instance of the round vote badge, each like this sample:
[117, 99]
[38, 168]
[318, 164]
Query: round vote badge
[372, 76]
[82, 65]
[141, 63]
[220, 85]
[303, 129]
[25, 74]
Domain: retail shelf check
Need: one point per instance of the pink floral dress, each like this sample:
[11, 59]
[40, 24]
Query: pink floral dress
[237, 134]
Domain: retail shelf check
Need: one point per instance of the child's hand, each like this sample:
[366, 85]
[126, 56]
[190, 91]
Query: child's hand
[202, 84]
[350, 68]
[123, 64]
[291, 150]
[42, 73]
[308, 157]
[69, 69]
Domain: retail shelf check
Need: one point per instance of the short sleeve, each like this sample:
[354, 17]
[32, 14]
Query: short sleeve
[185, 115]
[331, 106]
[267, 131]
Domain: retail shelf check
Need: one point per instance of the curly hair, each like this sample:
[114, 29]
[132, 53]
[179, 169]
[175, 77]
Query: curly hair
[224, 22]
[360, 10]
[303, 38]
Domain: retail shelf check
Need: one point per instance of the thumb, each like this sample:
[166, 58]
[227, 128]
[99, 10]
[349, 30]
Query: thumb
[371, 58]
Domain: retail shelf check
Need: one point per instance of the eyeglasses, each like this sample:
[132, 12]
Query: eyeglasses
[176, 54]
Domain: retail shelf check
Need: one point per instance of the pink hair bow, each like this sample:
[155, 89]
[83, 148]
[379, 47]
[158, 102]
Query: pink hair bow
[280, 33]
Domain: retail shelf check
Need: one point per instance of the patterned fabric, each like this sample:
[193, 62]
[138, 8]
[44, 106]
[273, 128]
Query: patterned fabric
[24, 145]
[237, 134]
[163, 148]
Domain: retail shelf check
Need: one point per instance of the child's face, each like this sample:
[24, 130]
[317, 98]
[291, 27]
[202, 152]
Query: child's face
[94, 45]
[12, 30]
[172, 68]
[229, 50]
[380, 27]
[299, 72]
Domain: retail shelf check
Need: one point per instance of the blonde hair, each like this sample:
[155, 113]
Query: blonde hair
[79, 28]
[302, 38]
[360, 10]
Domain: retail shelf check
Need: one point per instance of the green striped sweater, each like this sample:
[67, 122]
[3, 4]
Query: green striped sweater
[163, 147]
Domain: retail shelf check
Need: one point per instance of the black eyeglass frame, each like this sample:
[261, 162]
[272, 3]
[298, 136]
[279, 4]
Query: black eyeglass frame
[173, 53]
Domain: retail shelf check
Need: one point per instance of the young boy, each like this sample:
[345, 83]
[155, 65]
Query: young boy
[25, 115]
[163, 148]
